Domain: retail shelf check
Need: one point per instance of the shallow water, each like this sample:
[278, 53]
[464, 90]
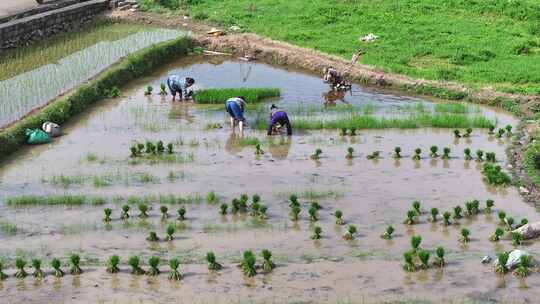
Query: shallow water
[371, 194]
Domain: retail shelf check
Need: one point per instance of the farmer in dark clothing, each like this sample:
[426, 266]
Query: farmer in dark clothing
[278, 119]
[180, 85]
[235, 107]
[335, 79]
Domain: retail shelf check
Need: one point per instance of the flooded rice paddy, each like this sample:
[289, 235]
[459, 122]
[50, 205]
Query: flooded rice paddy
[93, 160]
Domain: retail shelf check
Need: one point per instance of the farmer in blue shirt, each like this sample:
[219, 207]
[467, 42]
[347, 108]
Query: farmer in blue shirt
[278, 119]
[180, 85]
[235, 107]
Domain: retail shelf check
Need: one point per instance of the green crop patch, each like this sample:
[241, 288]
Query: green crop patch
[251, 95]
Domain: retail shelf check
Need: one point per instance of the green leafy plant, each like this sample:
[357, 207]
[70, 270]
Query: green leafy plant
[350, 152]
[491, 129]
[374, 155]
[500, 133]
[416, 240]
[467, 153]
[181, 213]
[523, 222]
[212, 264]
[434, 213]
[417, 207]
[36, 264]
[446, 218]
[475, 206]
[113, 92]
[457, 134]
[351, 232]
[112, 264]
[248, 264]
[160, 147]
[479, 155]
[317, 154]
[148, 90]
[439, 259]
[434, 150]
[162, 89]
[417, 153]
[495, 176]
[490, 157]
[468, 132]
[516, 239]
[312, 214]
[489, 204]
[295, 213]
[255, 208]
[164, 212]
[423, 256]
[457, 212]
[409, 263]
[56, 265]
[410, 217]
[469, 207]
[294, 201]
[170, 230]
[258, 150]
[446, 153]
[134, 263]
[338, 215]
[243, 202]
[508, 129]
[217, 96]
[316, 205]
[262, 212]
[174, 274]
[316, 233]
[496, 236]
[502, 259]
[3, 275]
[134, 152]
[502, 217]
[108, 212]
[75, 259]
[223, 209]
[153, 262]
[140, 148]
[343, 132]
[125, 212]
[353, 132]
[170, 148]
[20, 263]
[387, 235]
[267, 265]
[143, 208]
[523, 269]
[464, 238]
[152, 237]
[397, 152]
[509, 223]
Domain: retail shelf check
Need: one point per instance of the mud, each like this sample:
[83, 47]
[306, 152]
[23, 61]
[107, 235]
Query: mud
[371, 194]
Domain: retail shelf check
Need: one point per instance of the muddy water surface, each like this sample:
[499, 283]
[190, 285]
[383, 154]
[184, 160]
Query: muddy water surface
[371, 194]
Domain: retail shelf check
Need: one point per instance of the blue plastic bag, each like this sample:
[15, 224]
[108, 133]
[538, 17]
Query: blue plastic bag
[37, 137]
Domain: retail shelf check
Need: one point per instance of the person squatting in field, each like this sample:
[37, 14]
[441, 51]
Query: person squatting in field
[180, 85]
[278, 119]
[235, 106]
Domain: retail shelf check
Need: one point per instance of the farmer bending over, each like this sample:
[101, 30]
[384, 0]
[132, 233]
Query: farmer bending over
[235, 107]
[180, 85]
[278, 119]
[334, 78]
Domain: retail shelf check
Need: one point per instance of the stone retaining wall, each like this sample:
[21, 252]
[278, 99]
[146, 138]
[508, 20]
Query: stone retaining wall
[26, 30]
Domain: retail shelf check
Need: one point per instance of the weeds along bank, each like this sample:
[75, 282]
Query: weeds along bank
[61, 110]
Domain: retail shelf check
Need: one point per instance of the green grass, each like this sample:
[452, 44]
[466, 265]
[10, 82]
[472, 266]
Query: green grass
[8, 228]
[67, 200]
[251, 95]
[478, 43]
[249, 141]
[456, 107]
[531, 162]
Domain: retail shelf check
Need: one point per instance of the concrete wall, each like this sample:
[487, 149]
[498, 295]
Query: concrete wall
[26, 30]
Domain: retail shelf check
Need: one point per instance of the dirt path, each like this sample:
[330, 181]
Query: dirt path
[282, 53]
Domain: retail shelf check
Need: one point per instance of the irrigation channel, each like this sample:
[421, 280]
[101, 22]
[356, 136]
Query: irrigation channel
[93, 160]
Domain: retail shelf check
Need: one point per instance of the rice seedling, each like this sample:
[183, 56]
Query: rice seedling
[343, 132]
[164, 212]
[258, 150]
[446, 218]
[235, 206]
[143, 209]
[3, 275]
[502, 259]
[113, 92]
[374, 155]
[475, 206]
[248, 264]
[160, 147]
[410, 217]
[490, 157]
[152, 237]
[125, 212]
[502, 217]
[75, 269]
[20, 263]
[31, 200]
[434, 150]
[351, 232]
[509, 223]
[489, 204]
[416, 240]
[523, 222]
[223, 209]
[171, 228]
[409, 263]
[417, 207]
[350, 152]
[251, 95]
[150, 148]
[439, 258]
[464, 238]
[108, 212]
[140, 148]
[313, 214]
[469, 207]
[500, 133]
[423, 256]
[295, 213]
[170, 148]
[457, 212]
[457, 134]
[491, 129]
[134, 263]
[255, 206]
[36, 264]
[181, 213]
[153, 262]
[162, 89]
[387, 235]
[434, 212]
[294, 200]
[397, 152]
[338, 214]
[523, 269]
[112, 264]
[316, 205]
[56, 265]
[353, 132]
[416, 155]
[496, 236]
[467, 153]
[148, 90]
[316, 233]
[317, 154]
[211, 197]
[494, 175]
[516, 239]
[479, 155]
[267, 264]
[134, 152]
[174, 274]
[213, 265]
[468, 132]
[446, 153]
[262, 212]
